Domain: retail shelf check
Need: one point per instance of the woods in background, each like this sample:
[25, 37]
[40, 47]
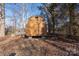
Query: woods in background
[60, 18]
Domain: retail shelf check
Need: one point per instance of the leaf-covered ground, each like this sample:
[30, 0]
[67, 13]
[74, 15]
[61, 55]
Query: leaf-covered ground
[19, 46]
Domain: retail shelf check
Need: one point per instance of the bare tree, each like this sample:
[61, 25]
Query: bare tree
[2, 20]
[72, 17]
[18, 16]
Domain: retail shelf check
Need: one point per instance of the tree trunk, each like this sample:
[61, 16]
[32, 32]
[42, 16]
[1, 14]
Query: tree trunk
[71, 14]
[2, 22]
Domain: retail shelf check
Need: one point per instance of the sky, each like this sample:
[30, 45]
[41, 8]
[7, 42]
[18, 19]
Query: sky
[31, 10]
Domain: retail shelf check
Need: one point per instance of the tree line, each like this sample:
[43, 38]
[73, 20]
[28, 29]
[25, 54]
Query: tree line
[61, 18]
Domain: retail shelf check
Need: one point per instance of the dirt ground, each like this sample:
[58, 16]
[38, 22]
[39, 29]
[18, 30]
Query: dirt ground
[18, 46]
